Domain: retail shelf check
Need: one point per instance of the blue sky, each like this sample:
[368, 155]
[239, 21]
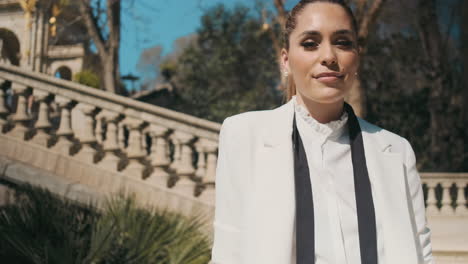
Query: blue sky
[159, 22]
[147, 23]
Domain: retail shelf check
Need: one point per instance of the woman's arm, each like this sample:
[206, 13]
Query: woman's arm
[423, 233]
[226, 245]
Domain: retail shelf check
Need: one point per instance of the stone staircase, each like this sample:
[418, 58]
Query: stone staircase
[79, 141]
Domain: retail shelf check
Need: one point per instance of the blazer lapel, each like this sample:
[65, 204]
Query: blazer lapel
[273, 205]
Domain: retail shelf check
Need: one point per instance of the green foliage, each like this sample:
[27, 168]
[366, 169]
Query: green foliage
[231, 68]
[126, 234]
[88, 78]
[43, 228]
[397, 82]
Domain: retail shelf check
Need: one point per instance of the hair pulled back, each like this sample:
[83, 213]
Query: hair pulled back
[291, 23]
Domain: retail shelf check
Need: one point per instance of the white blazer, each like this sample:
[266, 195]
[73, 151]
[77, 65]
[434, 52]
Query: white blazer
[255, 204]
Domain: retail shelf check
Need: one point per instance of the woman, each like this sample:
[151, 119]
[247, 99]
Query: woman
[308, 182]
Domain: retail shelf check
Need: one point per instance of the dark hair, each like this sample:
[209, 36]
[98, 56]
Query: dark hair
[291, 20]
[291, 23]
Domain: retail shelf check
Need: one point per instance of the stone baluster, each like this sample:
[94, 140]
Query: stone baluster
[135, 152]
[212, 161]
[42, 124]
[185, 170]
[64, 132]
[110, 144]
[159, 155]
[121, 137]
[87, 138]
[3, 109]
[201, 163]
[99, 130]
[446, 208]
[208, 181]
[461, 200]
[20, 118]
[176, 155]
[431, 198]
[144, 143]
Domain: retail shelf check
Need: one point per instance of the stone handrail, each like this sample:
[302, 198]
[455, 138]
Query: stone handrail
[445, 193]
[114, 132]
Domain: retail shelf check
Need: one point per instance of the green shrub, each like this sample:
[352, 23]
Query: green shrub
[40, 227]
[88, 78]
[43, 228]
[128, 234]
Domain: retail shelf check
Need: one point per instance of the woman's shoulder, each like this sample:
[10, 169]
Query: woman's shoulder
[247, 119]
[387, 140]
[254, 121]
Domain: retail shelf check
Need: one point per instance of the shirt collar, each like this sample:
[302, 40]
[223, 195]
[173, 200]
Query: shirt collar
[333, 129]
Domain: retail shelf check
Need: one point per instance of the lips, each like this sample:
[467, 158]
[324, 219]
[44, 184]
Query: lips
[329, 76]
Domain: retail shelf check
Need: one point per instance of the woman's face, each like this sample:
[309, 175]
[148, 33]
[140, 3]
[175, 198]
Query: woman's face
[323, 57]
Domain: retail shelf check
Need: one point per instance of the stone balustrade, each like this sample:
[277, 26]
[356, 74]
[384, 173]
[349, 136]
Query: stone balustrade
[112, 132]
[143, 141]
[446, 193]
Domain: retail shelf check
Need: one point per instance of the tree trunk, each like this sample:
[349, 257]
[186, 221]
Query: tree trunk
[357, 98]
[366, 20]
[439, 98]
[108, 49]
[464, 52]
[108, 73]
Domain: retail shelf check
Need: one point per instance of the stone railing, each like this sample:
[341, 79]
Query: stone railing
[112, 132]
[446, 193]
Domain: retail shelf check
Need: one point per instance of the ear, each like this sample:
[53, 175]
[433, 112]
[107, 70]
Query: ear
[285, 60]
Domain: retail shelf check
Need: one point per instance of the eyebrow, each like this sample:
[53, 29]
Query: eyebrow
[317, 33]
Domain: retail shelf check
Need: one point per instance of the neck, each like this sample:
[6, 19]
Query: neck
[322, 112]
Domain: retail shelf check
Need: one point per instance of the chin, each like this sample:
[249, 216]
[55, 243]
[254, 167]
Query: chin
[325, 95]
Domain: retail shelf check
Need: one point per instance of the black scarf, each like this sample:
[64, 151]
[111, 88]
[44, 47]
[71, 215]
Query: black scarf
[305, 240]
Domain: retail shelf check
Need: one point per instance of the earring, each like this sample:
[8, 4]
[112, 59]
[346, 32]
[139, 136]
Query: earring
[355, 73]
[286, 74]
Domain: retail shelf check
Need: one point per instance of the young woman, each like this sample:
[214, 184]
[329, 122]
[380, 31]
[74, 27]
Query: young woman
[309, 182]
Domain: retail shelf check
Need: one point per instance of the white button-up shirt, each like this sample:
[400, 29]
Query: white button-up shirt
[328, 152]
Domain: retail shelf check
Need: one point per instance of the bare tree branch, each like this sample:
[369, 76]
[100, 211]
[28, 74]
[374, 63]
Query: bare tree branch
[281, 17]
[92, 26]
[360, 5]
[369, 19]
[113, 22]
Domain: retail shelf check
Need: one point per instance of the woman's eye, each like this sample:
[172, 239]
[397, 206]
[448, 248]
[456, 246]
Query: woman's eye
[309, 44]
[345, 43]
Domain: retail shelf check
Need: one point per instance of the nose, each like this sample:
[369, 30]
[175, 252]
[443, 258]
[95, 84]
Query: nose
[328, 56]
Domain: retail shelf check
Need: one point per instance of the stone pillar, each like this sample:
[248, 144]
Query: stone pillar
[110, 144]
[461, 200]
[176, 156]
[121, 137]
[42, 124]
[87, 138]
[64, 132]
[3, 109]
[208, 181]
[159, 155]
[98, 130]
[201, 164]
[135, 150]
[20, 118]
[185, 170]
[431, 198]
[446, 208]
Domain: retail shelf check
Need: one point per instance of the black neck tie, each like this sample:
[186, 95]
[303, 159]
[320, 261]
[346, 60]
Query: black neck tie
[305, 233]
